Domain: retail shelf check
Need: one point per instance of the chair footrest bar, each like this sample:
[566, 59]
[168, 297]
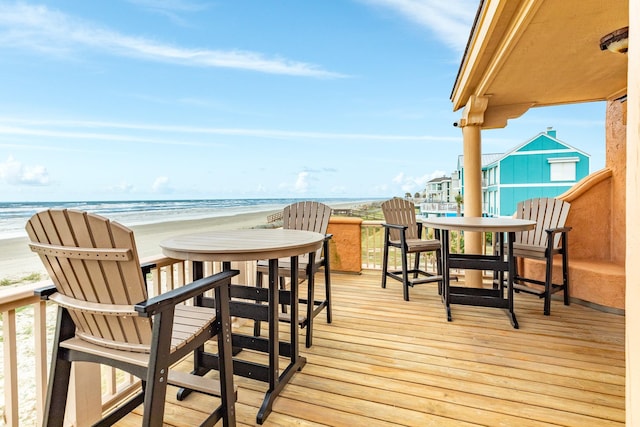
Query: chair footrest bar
[196, 383]
[479, 300]
[529, 290]
[425, 277]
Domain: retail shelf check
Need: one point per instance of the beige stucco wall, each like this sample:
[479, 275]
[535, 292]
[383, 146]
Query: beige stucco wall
[632, 311]
[597, 242]
[598, 211]
[616, 160]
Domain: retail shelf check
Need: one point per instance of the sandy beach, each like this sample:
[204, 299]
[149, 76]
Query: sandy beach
[17, 261]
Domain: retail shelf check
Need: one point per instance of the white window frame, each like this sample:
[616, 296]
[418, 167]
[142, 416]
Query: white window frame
[563, 168]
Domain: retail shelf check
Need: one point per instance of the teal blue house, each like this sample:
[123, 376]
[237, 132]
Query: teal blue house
[544, 166]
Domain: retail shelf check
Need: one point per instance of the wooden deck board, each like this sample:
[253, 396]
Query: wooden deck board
[384, 361]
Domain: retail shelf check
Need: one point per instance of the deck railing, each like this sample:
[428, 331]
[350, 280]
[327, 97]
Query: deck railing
[28, 322]
[373, 246]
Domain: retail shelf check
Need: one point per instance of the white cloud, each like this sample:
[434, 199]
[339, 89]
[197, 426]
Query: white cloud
[42, 29]
[123, 187]
[161, 185]
[11, 126]
[302, 182]
[412, 184]
[436, 174]
[171, 5]
[14, 172]
[450, 20]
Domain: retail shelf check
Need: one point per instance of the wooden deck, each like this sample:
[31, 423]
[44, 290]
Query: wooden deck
[387, 362]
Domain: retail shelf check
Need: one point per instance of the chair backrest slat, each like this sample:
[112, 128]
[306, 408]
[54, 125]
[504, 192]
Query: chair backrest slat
[548, 213]
[308, 216]
[401, 212]
[81, 273]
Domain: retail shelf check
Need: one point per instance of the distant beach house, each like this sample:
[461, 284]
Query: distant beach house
[440, 196]
[544, 166]
[440, 190]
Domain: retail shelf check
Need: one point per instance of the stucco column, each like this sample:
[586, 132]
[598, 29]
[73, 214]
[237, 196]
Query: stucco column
[632, 310]
[471, 123]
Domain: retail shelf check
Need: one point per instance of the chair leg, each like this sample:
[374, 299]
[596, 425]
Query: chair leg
[158, 370]
[154, 400]
[565, 268]
[439, 270]
[548, 283]
[57, 391]
[58, 387]
[416, 265]
[385, 259]
[225, 357]
[310, 303]
[283, 286]
[327, 290]
[256, 323]
[405, 276]
[565, 280]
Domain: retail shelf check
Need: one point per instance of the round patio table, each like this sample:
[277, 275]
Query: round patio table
[247, 245]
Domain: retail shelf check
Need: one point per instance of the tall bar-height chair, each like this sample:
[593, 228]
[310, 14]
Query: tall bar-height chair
[403, 232]
[544, 242]
[106, 317]
[306, 216]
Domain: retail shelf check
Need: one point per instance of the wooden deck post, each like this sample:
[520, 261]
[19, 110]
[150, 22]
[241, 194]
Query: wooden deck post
[84, 402]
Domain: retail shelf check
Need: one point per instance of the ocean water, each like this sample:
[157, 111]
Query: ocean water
[14, 216]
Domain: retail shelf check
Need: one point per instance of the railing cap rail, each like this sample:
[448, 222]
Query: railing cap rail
[13, 297]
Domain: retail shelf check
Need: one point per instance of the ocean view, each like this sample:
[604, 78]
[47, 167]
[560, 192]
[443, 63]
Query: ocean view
[14, 215]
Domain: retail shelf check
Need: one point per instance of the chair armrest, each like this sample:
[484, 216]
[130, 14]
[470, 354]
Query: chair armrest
[397, 226]
[325, 248]
[170, 299]
[558, 230]
[45, 291]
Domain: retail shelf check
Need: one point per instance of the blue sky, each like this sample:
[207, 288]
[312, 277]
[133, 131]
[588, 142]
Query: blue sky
[172, 99]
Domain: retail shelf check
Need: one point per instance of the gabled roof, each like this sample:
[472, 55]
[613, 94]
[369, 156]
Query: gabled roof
[535, 138]
[486, 159]
[489, 159]
[440, 179]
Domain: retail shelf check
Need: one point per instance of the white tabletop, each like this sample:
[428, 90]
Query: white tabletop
[241, 245]
[479, 224]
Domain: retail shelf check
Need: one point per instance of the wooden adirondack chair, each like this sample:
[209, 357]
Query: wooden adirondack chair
[547, 239]
[104, 316]
[306, 216]
[402, 231]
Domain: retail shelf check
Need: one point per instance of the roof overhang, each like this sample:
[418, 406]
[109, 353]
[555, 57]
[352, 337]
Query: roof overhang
[531, 53]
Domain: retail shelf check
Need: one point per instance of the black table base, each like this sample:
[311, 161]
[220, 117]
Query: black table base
[498, 263]
[256, 309]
